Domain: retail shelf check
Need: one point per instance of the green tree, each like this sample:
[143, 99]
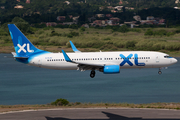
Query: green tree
[20, 23]
[60, 102]
[123, 29]
[149, 32]
[82, 29]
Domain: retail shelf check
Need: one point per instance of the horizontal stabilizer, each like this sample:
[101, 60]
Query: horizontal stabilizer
[21, 57]
[13, 53]
[15, 56]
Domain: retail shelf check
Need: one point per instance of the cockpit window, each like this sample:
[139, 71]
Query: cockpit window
[167, 56]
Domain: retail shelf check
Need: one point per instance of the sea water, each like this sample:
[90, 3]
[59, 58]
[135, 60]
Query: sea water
[23, 84]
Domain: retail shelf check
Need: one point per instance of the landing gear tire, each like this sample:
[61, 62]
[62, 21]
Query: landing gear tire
[159, 72]
[92, 74]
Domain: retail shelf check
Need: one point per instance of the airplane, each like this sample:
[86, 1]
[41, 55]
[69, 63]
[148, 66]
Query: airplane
[106, 62]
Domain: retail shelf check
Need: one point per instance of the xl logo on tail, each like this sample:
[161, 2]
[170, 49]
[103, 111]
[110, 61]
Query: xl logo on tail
[22, 48]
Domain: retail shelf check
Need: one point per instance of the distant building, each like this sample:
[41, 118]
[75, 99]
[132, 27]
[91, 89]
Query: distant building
[109, 15]
[150, 18]
[67, 2]
[97, 22]
[61, 18]
[75, 19]
[113, 11]
[51, 24]
[129, 8]
[176, 7]
[2, 7]
[115, 19]
[137, 18]
[85, 25]
[28, 1]
[99, 15]
[161, 22]
[120, 2]
[177, 1]
[109, 22]
[104, 23]
[148, 22]
[118, 8]
[109, 7]
[69, 23]
[18, 6]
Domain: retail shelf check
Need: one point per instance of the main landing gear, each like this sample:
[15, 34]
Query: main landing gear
[159, 72]
[92, 74]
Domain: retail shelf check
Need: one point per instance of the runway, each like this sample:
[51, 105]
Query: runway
[93, 114]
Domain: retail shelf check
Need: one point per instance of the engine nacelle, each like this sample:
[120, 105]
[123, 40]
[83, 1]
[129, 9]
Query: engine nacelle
[111, 69]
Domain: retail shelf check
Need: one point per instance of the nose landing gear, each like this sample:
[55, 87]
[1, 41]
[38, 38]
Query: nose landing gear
[159, 72]
[92, 74]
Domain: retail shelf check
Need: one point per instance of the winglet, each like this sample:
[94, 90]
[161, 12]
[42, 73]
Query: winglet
[73, 47]
[66, 56]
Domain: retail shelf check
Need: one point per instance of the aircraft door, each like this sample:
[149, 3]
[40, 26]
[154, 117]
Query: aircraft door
[157, 59]
[39, 62]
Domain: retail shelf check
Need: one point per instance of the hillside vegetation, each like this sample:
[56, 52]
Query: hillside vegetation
[154, 39]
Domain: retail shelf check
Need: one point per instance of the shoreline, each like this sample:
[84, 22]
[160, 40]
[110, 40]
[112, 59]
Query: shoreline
[166, 106]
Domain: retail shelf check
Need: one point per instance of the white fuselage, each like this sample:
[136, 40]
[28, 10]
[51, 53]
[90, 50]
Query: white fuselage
[146, 59]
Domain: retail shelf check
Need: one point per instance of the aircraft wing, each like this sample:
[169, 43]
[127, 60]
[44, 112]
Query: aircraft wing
[83, 65]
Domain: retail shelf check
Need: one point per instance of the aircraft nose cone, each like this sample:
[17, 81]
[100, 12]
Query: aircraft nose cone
[175, 60]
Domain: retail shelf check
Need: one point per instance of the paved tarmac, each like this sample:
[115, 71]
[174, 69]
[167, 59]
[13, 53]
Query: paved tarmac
[93, 114]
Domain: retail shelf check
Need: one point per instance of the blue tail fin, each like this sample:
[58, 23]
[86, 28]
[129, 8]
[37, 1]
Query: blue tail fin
[22, 46]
